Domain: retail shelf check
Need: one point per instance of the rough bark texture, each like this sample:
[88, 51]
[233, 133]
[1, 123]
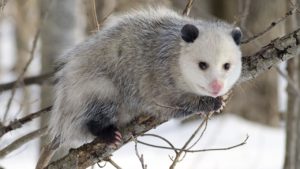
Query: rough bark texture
[277, 51]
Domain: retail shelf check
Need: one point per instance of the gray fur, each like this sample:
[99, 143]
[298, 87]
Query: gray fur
[130, 67]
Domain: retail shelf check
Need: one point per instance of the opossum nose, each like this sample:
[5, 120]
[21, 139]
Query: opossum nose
[216, 86]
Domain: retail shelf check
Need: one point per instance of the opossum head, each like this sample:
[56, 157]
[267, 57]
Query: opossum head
[210, 59]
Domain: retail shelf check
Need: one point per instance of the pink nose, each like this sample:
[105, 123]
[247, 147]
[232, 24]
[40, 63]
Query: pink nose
[216, 86]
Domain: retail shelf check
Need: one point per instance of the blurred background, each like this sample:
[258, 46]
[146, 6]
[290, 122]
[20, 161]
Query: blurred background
[33, 33]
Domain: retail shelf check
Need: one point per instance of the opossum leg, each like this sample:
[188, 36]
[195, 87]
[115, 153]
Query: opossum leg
[102, 121]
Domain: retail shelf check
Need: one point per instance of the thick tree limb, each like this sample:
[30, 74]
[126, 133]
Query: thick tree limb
[95, 151]
[278, 50]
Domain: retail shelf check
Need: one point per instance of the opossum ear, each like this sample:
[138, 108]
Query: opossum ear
[236, 35]
[189, 33]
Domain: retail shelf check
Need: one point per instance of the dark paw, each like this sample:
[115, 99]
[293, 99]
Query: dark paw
[218, 103]
[223, 100]
[109, 134]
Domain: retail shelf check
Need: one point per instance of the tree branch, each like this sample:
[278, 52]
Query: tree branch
[18, 123]
[277, 51]
[21, 141]
[39, 79]
[178, 155]
[188, 8]
[95, 151]
[271, 26]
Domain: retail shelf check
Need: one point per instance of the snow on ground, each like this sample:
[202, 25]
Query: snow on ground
[264, 149]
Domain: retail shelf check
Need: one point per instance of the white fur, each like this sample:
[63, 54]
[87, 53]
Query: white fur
[71, 96]
[215, 47]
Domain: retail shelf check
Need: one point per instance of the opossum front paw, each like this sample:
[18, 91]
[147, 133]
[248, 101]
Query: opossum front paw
[110, 134]
[224, 99]
[219, 104]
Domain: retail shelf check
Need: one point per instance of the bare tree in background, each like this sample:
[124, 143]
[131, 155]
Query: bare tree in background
[254, 18]
[126, 5]
[292, 147]
[25, 16]
[96, 12]
[60, 31]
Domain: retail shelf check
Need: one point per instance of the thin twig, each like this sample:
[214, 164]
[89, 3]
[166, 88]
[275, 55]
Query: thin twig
[140, 157]
[105, 18]
[24, 70]
[187, 8]
[196, 151]
[162, 138]
[102, 21]
[175, 161]
[221, 149]
[102, 166]
[113, 163]
[46, 154]
[21, 141]
[201, 135]
[95, 15]
[19, 122]
[22, 74]
[272, 25]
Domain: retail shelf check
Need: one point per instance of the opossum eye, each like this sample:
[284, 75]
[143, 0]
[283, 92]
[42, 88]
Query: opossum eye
[203, 65]
[226, 66]
[189, 33]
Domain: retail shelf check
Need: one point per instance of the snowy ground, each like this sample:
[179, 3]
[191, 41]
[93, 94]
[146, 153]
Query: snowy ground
[264, 149]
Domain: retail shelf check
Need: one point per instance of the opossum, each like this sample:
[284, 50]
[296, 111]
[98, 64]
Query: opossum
[141, 63]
